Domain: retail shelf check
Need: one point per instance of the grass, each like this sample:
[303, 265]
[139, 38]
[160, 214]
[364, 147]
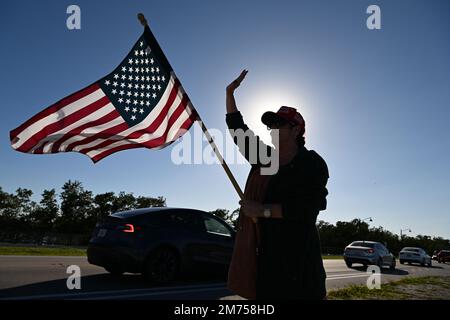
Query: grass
[411, 288]
[332, 257]
[41, 251]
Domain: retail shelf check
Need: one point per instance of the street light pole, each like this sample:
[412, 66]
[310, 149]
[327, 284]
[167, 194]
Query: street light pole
[401, 230]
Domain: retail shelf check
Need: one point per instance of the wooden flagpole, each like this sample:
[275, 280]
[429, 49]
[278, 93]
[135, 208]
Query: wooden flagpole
[236, 186]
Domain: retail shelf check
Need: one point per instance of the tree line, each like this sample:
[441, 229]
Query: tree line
[76, 210]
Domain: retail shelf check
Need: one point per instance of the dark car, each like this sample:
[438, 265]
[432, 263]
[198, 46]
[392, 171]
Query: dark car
[443, 256]
[161, 243]
[368, 253]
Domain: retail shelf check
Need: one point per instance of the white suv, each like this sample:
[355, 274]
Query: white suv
[417, 255]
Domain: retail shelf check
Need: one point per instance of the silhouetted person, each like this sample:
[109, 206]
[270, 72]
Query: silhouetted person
[277, 252]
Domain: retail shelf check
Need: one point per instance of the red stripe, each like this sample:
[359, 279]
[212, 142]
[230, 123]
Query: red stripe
[105, 134]
[76, 131]
[150, 129]
[61, 124]
[149, 144]
[54, 108]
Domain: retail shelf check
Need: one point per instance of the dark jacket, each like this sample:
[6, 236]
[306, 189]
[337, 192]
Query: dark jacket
[289, 256]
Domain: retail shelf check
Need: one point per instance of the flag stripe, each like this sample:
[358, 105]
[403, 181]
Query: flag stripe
[164, 123]
[150, 144]
[111, 120]
[55, 107]
[51, 128]
[59, 135]
[60, 114]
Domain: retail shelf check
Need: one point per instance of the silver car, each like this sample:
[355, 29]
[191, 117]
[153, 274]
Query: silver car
[414, 255]
[368, 253]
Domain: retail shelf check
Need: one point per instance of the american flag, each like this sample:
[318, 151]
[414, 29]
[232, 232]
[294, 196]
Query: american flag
[140, 104]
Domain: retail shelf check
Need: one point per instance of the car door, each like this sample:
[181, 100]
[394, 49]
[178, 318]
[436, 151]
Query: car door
[219, 239]
[188, 230]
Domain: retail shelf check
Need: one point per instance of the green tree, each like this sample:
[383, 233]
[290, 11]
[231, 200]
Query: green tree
[45, 214]
[76, 208]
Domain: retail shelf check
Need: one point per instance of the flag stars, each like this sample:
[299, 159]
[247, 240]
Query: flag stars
[147, 103]
[127, 109]
[153, 78]
[141, 111]
[136, 78]
[107, 82]
[124, 69]
[146, 61]
[128, 101]
[122, 92]
[142, 86]
[154, 87]
[115, 84]
[154, 95]
[163, 78]
[136, 61]
[134, 110]
[157, 69]
[122, 85]
[133, 117]
[142, 94]
[141, 52]
[123, 77]
[129, 93]
[136, 52]
[141, 43]
[136, 86]
[135, 94]
[147, 95]
[116, 76]
[120, 100]
[159, 87]
[130, 78]
[130, 61]
[135, 102]
[148, 87]
[130, 69]
[152, 69]
[141, 103]
[113, 91]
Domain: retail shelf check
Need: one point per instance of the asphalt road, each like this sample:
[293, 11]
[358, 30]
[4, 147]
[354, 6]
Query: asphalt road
[45, 277]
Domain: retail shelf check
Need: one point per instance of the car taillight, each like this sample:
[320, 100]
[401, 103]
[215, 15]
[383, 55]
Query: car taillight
[128, 228]
[370, 251]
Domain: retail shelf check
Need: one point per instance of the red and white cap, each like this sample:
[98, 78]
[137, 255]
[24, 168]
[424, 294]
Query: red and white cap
[286, 113]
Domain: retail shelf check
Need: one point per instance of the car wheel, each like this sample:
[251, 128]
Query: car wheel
[392, 266]
[380, 263]
[402, 262]
[430, 264]
[162, 266]
[349, 264]
[422, 263]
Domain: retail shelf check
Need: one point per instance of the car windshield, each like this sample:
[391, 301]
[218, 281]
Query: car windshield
[363, 244]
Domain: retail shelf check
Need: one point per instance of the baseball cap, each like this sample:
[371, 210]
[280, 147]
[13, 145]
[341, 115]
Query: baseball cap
[286, 113]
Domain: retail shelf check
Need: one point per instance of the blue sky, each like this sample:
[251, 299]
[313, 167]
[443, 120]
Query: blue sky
[376, 102]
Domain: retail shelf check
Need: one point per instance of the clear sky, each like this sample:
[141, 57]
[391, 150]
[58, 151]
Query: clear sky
[376, 102]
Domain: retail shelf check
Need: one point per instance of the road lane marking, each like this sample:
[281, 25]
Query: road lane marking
[94, 293]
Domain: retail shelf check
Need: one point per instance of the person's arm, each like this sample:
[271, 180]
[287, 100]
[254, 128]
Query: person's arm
[230, 101]
[242, 136]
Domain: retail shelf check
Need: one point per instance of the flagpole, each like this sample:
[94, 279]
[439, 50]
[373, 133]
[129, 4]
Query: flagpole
[236, 186]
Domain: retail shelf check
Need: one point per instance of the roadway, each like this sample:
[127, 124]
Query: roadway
[44, 277]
